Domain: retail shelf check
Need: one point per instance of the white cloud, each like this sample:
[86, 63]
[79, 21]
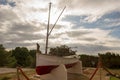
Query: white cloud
[91, 18]
[112, 22]
[93, 8]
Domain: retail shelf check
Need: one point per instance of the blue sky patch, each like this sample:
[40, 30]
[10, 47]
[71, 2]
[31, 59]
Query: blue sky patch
[100, 23]
[6, 2]
[112, 15]
[108, 21]
[115, 32]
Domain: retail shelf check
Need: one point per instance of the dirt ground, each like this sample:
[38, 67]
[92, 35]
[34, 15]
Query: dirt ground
[11, 73]
[100, 75]
[10, 70]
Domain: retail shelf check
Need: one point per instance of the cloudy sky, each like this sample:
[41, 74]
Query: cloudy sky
[91, 26]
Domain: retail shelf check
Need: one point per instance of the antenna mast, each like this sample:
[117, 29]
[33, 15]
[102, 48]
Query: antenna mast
[49, 32]
[48, 29]
[56, 21]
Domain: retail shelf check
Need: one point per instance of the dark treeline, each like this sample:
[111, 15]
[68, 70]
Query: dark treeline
[89, 60]
[21, 56]
[108, 59]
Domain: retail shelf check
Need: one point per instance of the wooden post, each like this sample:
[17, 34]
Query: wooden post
[18, 77]
[99, 65]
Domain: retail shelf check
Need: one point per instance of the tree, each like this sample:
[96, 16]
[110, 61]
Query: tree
[22, 56]
[62, 50]
[3, 56]
[88, 60]
[33, 56]
[11, 61]
[110, 60]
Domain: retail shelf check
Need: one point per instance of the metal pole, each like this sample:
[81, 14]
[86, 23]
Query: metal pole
[48, 29]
